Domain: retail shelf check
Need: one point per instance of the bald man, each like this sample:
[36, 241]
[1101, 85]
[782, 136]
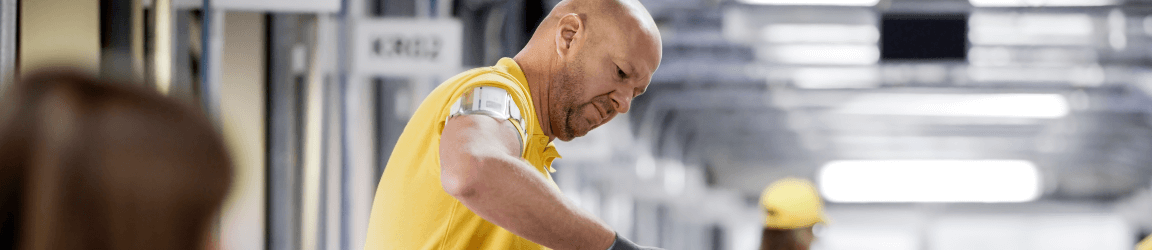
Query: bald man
[472, 168]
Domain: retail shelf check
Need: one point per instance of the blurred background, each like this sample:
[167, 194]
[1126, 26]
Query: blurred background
[926, 124]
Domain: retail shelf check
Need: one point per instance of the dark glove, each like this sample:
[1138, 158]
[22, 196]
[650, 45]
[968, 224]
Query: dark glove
[624, 244]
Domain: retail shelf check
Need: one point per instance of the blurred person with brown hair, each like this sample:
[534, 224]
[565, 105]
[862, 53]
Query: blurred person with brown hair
[792, 207]
[86, 164]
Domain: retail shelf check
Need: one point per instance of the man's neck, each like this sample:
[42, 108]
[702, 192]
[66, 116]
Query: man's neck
[535, 70]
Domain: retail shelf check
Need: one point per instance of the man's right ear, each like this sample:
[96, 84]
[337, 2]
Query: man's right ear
[570, 31]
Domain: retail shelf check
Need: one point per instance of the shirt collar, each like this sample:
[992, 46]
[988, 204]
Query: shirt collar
[513, 68]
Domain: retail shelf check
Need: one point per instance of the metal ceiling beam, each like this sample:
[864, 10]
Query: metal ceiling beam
[650, 119]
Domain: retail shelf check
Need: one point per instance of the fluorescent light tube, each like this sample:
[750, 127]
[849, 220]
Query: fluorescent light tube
[856, 181]
[836, 78]
[814, 2]
[964, 105]
[1030, 29]
[823, 54]
[1036, 3]
[1039, 2]
[820, 33]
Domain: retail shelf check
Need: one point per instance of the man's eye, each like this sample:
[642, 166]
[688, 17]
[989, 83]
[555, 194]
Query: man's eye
[620, 73]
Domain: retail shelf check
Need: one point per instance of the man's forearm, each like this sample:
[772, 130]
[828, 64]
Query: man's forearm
[513, 195]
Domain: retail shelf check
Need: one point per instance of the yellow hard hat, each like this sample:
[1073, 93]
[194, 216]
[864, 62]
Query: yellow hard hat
[1145, 244]
[791, 203]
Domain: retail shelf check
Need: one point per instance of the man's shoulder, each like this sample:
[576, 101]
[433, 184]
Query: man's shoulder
[483, 76]
[448, 93]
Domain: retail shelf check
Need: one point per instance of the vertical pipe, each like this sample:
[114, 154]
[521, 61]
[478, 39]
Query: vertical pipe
[211, 38]
[285, 94]
[336, 164]
[423, 9]
[181, 84]
[327, 155]
[342, 22]
[359, 169]
[7, 42]
[443, 8]
[116, 39]
[162, 50]
[136, 52]
[313, 144]
[328, 32]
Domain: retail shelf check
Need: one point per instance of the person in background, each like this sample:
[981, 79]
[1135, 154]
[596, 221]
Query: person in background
[1145, 244]
[86, 164]
[472, 168]
[791, 208]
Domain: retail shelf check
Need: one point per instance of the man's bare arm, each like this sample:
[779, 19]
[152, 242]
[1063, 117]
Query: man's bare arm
[481, 166]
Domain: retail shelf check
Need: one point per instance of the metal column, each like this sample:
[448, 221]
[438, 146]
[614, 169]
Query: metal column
[211, 40]
[287, 58]
[7, 42]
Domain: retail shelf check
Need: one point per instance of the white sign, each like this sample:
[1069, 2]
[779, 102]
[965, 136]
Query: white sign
[310, 6]
[408, 47]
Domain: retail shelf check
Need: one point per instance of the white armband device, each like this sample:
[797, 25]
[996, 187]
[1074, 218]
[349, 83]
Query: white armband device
[490, 101]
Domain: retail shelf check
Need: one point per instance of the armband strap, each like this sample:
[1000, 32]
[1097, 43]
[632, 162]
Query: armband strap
[490, 101]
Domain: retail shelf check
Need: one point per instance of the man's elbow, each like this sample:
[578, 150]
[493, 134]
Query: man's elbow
[459, 187]
[461, 179]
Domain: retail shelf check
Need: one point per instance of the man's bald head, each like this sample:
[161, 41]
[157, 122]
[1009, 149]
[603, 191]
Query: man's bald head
[586, 62]
[626, 16]
[614, 10]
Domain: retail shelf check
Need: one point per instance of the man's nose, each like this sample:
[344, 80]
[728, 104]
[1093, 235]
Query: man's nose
[622, 100]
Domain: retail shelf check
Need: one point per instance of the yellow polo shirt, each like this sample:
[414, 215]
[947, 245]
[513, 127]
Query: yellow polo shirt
[412, 210]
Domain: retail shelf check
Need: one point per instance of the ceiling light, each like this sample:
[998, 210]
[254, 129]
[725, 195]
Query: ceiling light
[999, 56]
[1090, 75]
[836, 78]
[929, 181]
[1117, 30]
[1036, 3]
[820, 54]
[814, 2]
[820, 33]
[1064, 29]
[966, 105]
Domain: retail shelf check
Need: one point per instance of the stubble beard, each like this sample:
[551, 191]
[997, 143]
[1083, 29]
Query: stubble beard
[565, 92]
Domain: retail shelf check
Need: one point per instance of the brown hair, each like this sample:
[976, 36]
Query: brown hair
[86, 164]
[779, 239]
